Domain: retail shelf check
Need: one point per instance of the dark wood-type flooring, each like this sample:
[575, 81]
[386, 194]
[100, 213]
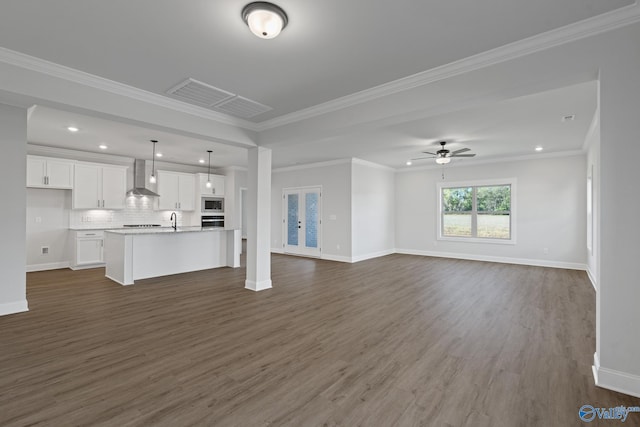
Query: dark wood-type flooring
[394, 341]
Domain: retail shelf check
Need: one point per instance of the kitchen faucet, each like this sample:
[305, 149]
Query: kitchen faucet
[174, 221]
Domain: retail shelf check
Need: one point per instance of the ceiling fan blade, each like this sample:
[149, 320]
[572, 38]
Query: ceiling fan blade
[421, 158]
[426, 152]
[462, 155]
[462, 150]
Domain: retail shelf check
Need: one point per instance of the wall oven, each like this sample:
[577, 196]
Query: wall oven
[213, 221]
[212, 205]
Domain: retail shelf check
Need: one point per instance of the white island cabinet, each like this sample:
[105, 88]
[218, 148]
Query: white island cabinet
[144, 253]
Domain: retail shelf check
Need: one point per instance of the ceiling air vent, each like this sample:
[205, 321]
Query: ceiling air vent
[242, 107]
[199, 93]
[211, 97]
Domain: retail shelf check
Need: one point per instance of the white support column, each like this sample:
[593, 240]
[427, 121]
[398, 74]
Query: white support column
[259, 220]
[13, 192]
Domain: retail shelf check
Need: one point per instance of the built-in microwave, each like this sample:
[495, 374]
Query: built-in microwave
[213, 221]
[212, 205]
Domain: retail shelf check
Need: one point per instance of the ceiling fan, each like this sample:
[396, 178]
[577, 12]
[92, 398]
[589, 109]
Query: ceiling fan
[443, 156]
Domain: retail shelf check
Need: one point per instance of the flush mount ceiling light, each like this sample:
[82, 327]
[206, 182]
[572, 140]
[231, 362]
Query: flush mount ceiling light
[539, 148]
[152, 178]
[264, 19]
[443, 160]
[102, 147]
[72, 129]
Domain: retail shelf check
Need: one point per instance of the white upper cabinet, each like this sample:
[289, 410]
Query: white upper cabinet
[176, 190]
[99, 186]
[217, 185]
[47, 172]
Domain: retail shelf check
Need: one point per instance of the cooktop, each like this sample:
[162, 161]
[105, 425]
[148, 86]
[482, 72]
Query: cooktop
[141, 225]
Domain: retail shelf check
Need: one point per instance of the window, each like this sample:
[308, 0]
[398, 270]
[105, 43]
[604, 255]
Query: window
[478, 211]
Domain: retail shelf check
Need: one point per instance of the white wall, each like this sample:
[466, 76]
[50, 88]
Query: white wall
[550, 213]
[372, 210]
[13, 165]
[593, 170]
[618, 348]
[48, 225]
[335, 179]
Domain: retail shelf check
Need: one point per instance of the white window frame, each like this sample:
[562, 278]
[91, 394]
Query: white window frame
[479, 183]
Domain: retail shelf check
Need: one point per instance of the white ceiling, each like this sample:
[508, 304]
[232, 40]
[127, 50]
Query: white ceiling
[48, 126]
[499, 130]
[330, 49]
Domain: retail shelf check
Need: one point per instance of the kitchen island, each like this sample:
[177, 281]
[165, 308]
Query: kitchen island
[144, 253]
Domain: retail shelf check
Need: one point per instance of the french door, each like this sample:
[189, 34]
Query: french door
[302, 223]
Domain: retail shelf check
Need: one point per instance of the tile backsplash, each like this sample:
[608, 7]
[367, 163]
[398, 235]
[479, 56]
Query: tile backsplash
[138, 210]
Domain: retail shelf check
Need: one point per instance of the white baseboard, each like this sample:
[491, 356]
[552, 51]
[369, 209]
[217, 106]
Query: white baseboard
[372, 255]
[611, 379]
[592, 278]
[277, 250]
[14, 307]
[504, 260]
[257, 286]
[339, 258]
[86, 266]
[117, 281]
[47, 266]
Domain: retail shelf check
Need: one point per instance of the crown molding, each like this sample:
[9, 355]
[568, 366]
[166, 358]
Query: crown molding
[537, 156]
[367, 163]
[52, 69]
[311, 165]
[589, 27]
[83, 156]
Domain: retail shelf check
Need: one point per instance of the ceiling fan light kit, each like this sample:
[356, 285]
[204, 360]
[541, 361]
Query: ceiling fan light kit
[444, 156]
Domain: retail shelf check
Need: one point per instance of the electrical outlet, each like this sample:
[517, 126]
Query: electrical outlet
[44, 250]
[38, 219]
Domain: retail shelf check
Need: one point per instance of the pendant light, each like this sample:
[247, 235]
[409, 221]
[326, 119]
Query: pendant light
[208, 184]
[152, 178]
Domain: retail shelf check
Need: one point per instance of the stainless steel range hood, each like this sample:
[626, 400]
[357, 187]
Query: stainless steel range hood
[140, 181]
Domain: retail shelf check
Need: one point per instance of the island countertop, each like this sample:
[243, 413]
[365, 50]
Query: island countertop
[163, 230]
[142, 253]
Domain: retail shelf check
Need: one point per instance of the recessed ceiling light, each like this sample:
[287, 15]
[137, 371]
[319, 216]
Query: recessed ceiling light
[568, 118]
[102, 147]
[158, 154]
[264, 19]
[538, 148]
[201, 161]
[72, 129]
[409, 163]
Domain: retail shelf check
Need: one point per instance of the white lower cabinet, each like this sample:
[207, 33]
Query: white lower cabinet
[88, 249]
